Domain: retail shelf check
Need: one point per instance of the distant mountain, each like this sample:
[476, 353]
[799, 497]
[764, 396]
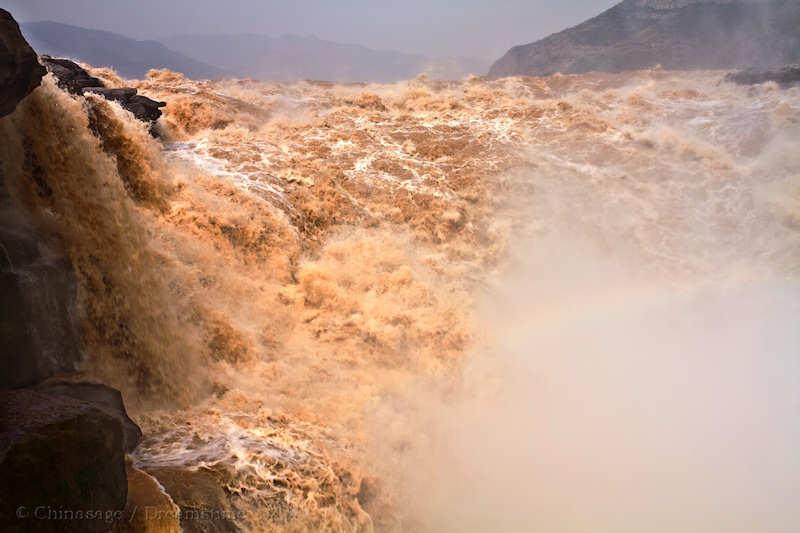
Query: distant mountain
[129, 57]
[676, 34]
[290, 57]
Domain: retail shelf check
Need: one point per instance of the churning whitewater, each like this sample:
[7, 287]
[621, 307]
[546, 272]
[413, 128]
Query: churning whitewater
[441, 305]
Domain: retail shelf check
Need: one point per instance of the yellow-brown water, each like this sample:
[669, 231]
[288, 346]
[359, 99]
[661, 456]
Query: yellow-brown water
[319, 293]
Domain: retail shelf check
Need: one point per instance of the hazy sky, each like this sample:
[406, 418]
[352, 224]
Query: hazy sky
[477, 28]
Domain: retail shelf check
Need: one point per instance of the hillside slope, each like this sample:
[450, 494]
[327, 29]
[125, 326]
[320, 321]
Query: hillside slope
[676, 34]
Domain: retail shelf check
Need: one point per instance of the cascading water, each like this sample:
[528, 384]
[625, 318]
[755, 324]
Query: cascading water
[437, 306]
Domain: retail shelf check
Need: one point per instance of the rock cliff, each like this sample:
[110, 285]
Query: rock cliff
[20, 72]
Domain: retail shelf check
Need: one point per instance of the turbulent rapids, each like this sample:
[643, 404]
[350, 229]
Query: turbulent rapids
[308, 293]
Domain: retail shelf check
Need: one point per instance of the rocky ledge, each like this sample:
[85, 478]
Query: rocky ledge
[73, 78]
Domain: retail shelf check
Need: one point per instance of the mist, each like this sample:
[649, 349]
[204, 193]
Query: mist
[638, 367]
[603, 405]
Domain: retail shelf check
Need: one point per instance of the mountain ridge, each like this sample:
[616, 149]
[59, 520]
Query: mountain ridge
[131, 58]
[209, 56]
[291, 56]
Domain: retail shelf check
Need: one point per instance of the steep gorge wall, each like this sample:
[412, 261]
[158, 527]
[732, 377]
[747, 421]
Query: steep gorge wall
[37, 318]
[63, 440]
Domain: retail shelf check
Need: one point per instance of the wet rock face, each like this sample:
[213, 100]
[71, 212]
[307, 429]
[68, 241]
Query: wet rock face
[150, 509]
[71, 77]
[205, 506]
[20, 72]
[102, 397]
[76, 80]
[786, 77]
[38, 318]
[142, 107]
[38, 325]
[59, 456]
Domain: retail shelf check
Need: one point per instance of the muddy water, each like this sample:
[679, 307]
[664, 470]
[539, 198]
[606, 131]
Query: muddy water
[315, 294]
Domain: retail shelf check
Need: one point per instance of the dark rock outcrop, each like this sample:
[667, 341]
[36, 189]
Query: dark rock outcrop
[142, 107]
[20, 72]
[785, 77]
[60, 458]
[103, 398]
[71, 77]
[675, 34]
[76, 80]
